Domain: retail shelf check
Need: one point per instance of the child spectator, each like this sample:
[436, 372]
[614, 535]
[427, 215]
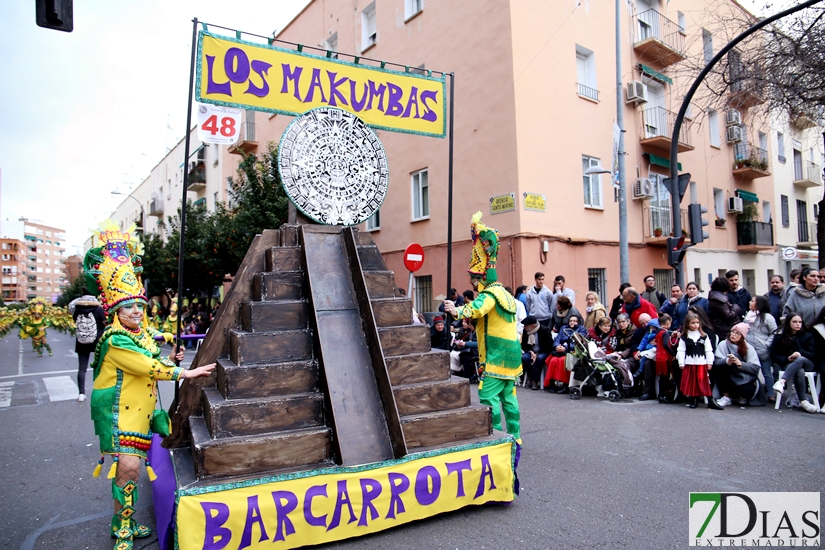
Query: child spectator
[695, 358]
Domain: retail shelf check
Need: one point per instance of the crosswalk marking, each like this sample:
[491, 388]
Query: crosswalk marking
[60, 388]
[5, 394]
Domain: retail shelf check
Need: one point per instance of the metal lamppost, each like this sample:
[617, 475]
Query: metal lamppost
[142, 213]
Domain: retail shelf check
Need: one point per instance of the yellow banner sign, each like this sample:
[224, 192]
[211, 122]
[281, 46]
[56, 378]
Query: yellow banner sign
[339, 503]
[535, 201]
[236, 73]
[502, 203]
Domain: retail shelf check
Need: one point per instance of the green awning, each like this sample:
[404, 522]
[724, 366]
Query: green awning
[200, 201]
[660, 161]
[655, 75]
[747, 196]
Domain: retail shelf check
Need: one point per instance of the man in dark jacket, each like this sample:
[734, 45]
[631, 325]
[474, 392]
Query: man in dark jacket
[652, 294]
[90, 320]
[537, 344]
[738, 295]
[776, 296]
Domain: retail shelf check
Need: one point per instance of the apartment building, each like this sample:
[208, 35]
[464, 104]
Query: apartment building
[45, 260]
[535, 104]
[159, 195]
[15, 269]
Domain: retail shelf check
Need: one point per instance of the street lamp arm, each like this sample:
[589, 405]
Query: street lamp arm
[677, 125]
[140, 204]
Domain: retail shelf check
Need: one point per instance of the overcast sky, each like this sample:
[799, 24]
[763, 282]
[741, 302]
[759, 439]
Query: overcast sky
[92, 111]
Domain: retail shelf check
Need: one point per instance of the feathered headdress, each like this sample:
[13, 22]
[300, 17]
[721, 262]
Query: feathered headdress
[113, 267]
[484, 252]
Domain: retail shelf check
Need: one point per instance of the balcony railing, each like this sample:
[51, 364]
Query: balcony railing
[587, 92]
[197, 175]
[659, 38]
[806, 173]
[806, 231]
[657, 128]
[246, 141]
[754, 234]
[749, 161]
[660, 218]
[156, 206]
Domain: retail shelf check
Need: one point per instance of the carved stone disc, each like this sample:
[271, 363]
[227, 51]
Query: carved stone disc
[333, 167]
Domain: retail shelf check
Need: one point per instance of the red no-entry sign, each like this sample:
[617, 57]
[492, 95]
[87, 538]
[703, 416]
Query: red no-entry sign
[414, 257]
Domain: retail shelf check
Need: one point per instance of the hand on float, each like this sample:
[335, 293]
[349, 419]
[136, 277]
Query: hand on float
[199, 372]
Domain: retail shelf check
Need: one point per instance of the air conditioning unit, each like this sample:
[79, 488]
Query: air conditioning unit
[642, 189]
[636, 92]
[734, 134]
[733, 118]
[735, 205]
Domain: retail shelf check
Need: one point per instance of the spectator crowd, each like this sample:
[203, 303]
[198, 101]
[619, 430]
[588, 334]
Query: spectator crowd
[673, 345]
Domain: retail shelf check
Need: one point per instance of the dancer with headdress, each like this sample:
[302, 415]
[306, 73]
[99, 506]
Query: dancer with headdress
[33, 323]
[126, 367]
[499, 347]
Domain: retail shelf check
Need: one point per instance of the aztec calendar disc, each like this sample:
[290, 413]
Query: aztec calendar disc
[333, 167]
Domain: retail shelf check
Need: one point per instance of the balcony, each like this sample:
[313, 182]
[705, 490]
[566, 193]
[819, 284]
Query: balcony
[657, 224]
[657, 128]
[156, 206]
[246, 141]
[754, 236]
[658, 39]
[806, 234]
[806, 174]
[802, 120]
[750, 162]
[586, 92]
[747, 86]
[197, 176]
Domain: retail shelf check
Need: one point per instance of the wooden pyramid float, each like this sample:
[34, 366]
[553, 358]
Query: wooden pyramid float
[319, 371]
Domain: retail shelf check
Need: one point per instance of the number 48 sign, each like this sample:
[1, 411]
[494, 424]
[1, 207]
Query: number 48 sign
[218, 124]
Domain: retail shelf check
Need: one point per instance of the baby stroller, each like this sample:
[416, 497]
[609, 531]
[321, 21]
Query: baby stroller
[593, 369]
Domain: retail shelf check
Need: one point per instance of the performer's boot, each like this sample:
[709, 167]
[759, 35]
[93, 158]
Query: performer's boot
[124, 528]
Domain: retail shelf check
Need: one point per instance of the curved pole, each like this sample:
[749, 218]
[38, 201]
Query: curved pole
[677, 126]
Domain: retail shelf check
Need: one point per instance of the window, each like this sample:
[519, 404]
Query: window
[707, 45]
[369, 36]
[816, 212]
[215, 201]
[803, 230]
[412, 7]
[786, 214]
[797, 162]
[694, 193]
[713, 126]
[766, 212]
[586, 73]
[763, 145]
[680, 19]
[423, 293]
[664, 278]
[331, 45]
[697, 277]
[420, 195]
[592, 183]
[660, 206]
[719, 203]
[374, 221]
[597, 282]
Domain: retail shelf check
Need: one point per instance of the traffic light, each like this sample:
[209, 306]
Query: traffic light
[697, 222]
[675, 251]
[55, 14]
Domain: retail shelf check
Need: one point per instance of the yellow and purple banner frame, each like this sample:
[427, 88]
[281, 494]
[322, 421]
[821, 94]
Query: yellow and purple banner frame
[261, 77]
[325, 505]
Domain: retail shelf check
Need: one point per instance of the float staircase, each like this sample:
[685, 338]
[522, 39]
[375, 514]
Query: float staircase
[319, 366]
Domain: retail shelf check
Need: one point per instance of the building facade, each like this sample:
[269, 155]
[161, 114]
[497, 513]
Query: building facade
[45, 260]
[15, 270]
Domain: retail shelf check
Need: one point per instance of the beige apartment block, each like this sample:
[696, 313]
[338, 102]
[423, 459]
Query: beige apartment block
[13, 263]
[535, 104]
[45, 260]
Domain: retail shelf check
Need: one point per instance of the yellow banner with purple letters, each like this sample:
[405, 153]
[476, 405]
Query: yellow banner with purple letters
[236, 73]
[321, 506]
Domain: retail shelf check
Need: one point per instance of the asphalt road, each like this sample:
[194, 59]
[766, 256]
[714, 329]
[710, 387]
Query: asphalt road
[593, 474]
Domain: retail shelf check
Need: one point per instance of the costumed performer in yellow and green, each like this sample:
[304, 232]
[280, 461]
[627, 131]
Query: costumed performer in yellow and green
[499, 347]
[127, 367]
[33, 323]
